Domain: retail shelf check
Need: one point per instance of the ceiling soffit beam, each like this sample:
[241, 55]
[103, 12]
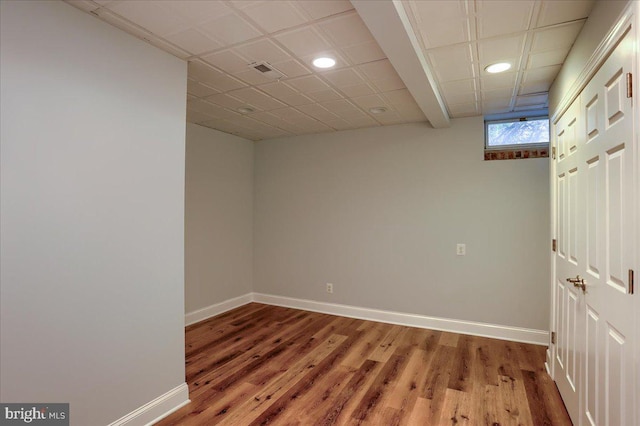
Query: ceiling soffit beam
[390, 26]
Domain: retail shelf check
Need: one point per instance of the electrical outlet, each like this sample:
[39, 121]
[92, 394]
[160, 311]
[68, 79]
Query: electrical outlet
[461, 249]
[329, 288]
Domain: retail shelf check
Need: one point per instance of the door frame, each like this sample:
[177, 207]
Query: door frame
[630, 17]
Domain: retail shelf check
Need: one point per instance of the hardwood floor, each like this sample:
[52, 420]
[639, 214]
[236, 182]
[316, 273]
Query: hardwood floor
[261, 364]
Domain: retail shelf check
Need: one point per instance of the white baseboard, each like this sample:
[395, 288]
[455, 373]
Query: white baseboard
[517, 334]
[217, 309]
[503, 332]
[157, 409]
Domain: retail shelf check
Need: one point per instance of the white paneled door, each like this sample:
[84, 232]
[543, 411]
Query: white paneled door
[594, 178]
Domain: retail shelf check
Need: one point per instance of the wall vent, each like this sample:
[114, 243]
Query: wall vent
[267, 70]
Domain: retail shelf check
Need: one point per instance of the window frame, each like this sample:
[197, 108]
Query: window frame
[537, 145]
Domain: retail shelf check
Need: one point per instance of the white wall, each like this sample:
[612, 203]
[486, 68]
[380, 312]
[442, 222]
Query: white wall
[92, 205]
[602, 17]
[218, 217]
[378, 213]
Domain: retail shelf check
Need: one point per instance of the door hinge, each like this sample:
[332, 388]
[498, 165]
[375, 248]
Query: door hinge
[553, 153]
[629, 85]
[554, 244]
[553, 337]
[631, 283]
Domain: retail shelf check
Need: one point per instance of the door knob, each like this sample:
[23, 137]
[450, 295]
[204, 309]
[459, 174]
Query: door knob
[579, 282]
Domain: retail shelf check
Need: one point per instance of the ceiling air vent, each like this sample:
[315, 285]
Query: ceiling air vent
[267, 70]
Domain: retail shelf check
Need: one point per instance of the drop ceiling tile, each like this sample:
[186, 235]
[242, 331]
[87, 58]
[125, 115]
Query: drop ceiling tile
[556, 37]
[257, 98]
[226, 101]
[227, 60]
[84, 5]
[379, 70]
[459, 97]
[503, 93]
[307, 84]
[430, 11]
[534, 87]
[303, 41]
[204, 107]
[548, 58]
[196, 11]
[194, 116]
[212, 77]
[346, 29]
[289, 114]
[502, 49]
[273, 133]
[339, 124]
[318, 112]
[357, 90]
[442, 22]
[495, 106]
[324, 95]
[464, 110]
[229, 29]
[452, 62]
[241, 4]
[285, 94]
[317, 127]
[275, 15]
[198, 89]
[389, 84]
[555, 12]
[546, 74]
[361, 53]
[222, 125]
[292, 68]
[322, 9]
[401, 99]
[267, 117]
[343, 108]
[370, 101]
[343, 77]
[497, 17]
[389, 118]
[363, 121]
[150, 15]
[498, 81]
[459, 86]
[252, 77]
[193, 41]
[262, 50]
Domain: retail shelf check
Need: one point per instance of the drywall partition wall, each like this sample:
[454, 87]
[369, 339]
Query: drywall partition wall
[218, 217]
[601, 18]
[92, 208]
[378, 213]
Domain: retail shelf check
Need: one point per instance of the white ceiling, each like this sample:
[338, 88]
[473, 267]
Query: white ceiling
[439, 58]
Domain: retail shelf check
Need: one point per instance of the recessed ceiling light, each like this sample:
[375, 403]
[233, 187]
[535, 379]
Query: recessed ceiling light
[324, 62]
[377, 110]
[499, 67]
[245, 110]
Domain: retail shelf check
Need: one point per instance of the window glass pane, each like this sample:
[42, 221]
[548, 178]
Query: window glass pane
[518, 132]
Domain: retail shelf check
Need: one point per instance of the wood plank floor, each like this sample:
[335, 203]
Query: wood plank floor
[261, 364]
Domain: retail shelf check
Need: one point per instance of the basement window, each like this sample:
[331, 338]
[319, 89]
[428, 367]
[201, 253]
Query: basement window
[515, 138]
